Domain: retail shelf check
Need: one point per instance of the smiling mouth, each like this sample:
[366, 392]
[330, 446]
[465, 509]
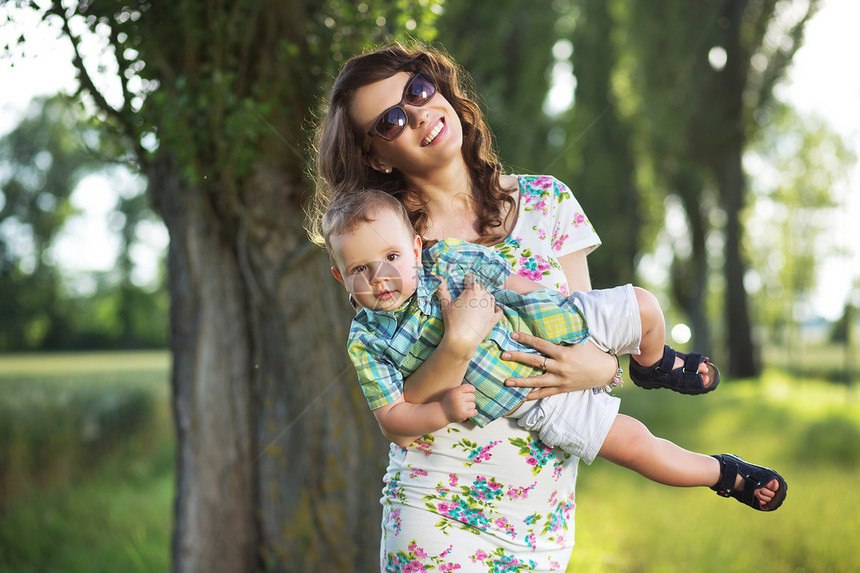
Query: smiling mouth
[434, 132]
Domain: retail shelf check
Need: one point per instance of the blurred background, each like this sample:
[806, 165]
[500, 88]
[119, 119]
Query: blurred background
[148, 151]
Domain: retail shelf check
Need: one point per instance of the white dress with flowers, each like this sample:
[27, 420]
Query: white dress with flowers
[492, 499]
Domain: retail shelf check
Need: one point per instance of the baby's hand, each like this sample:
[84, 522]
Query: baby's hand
[459, 403]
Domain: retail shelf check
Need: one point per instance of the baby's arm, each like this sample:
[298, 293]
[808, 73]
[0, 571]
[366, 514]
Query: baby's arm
[403, 422]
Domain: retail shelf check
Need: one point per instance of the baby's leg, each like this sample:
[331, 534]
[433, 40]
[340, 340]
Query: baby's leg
[630, 445]
[654, 335]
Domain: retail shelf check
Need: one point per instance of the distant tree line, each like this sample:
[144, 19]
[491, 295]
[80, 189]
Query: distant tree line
[42, 160]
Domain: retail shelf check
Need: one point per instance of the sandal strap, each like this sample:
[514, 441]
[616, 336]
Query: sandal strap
[667, 362]
[691, 363]
[728, 475]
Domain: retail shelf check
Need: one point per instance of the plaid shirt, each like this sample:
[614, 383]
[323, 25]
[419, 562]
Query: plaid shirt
[387, 346]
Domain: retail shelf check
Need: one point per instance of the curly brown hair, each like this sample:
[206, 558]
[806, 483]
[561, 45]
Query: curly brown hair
[339, 167]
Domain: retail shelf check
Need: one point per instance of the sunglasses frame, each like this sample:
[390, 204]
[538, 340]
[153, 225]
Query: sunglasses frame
[368, 138]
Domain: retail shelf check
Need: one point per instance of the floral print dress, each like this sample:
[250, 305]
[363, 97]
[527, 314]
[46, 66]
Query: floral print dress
[492, 499]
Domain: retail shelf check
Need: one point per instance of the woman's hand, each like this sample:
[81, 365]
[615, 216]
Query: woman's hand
[568, 368]
[469, 318]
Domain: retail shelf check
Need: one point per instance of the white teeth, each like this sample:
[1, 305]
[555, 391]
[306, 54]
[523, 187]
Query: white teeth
[432, 135]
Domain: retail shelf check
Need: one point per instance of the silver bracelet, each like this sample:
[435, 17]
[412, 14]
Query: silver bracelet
[616, 380]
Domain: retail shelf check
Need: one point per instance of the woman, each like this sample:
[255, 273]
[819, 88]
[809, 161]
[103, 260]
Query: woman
[467, 498]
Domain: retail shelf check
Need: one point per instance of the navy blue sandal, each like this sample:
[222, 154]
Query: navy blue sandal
[684, 379]
[754, 476]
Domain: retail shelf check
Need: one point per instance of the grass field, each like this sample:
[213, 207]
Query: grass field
[86, 463]
[809, 431]
[114, 514]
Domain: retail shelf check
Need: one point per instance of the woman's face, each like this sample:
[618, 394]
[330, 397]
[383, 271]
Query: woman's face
[432, 135]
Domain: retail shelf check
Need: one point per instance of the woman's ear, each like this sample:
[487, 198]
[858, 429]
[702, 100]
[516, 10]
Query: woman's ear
[376, 163]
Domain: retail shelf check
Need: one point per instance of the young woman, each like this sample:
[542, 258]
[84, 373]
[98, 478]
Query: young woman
[467, 498]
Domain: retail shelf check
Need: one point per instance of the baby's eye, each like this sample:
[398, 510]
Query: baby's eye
[359, 269]
[392, 257]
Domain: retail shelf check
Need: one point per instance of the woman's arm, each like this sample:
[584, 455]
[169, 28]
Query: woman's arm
[568, 368]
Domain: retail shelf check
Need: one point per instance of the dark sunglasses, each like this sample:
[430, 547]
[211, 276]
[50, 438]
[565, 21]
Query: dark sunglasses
[391, 122]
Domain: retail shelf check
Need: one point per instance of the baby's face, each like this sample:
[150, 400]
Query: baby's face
[378, 261]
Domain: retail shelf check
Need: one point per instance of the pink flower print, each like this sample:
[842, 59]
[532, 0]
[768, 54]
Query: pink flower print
[479, 555]
[418, 552]
[424, 446]
[533, 267]
[485, 490]
[452, 480]
[475, 453]
[502, 523]
[447, 551]
[562, 288]
[448, 566]
[417, 472]
[394, 520]
[579, 219]
[529, 274]
[516, 493]
[413, 567]
[558, 239]
[541, 207]
[530, 541]
[544, 182]
[553, 565]
[541, 233]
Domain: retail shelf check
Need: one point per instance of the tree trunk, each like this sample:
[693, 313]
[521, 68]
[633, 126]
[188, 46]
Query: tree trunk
[690, 276]
[728, 136]
[214, 526]
[742, 358]
[279, 461]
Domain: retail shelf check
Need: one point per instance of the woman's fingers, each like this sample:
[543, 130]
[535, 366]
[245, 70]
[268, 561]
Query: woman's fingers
[469, 281]
[527, 358]
[443, 294]
[535, 342]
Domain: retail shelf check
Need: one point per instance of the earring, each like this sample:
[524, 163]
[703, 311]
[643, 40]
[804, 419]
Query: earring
[387, 170]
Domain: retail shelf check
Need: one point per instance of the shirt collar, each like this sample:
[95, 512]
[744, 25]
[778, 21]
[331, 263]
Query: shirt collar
[427, 285]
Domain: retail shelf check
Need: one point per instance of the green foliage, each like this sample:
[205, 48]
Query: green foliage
[506, 46]
[801, 161]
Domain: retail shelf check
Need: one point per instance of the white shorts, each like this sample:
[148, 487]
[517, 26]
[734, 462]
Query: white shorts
[578, 422]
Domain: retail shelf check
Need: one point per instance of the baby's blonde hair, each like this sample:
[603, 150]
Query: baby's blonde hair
[348, 210]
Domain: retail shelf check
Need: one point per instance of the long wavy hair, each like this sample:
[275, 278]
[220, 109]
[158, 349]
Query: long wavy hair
[339, 167]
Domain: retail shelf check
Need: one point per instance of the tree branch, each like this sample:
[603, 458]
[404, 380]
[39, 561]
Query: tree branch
[87, 84]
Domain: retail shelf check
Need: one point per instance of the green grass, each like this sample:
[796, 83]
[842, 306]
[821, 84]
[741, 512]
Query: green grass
[116, 513]
[87, 466]
[808, 431]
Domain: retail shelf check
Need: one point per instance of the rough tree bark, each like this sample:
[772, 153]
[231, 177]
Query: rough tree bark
[278, 462]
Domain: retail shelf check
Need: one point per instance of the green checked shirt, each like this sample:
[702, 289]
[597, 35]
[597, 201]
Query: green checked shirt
[388, 346]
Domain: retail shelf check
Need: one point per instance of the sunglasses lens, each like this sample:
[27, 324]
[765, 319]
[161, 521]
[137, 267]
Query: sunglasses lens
[391, 123]
[419, 91]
